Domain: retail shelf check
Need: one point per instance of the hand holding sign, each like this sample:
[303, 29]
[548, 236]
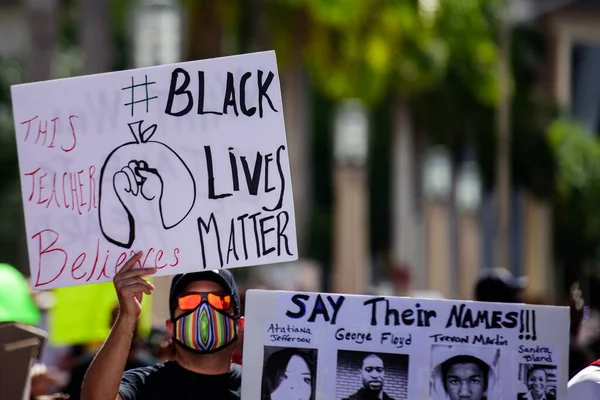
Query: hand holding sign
[130, 287]
[153, 173]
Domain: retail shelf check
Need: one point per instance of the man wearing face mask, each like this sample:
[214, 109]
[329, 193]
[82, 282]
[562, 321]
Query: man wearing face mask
[205, 323]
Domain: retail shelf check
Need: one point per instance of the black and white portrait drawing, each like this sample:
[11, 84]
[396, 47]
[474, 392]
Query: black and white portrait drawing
[539, 382]
[464, 372]
[289, 373]
[370, 375]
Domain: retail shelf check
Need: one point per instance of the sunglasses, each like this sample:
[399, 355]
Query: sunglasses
[190, 301]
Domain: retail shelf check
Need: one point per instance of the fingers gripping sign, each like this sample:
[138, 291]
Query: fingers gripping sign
[130, 286]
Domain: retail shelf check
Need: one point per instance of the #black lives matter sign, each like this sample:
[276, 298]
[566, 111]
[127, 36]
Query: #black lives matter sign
[334, 346]
[186, 162]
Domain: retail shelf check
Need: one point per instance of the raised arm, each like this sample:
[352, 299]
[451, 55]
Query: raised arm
[104, 375]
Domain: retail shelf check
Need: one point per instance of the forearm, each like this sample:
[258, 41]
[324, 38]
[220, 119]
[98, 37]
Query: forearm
[104, 375]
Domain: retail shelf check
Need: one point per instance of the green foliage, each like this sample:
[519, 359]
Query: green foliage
[469, 30]
[367, 48]
[11, 212]
[455, 115]
[360, 48]
[578, 179]
[576, 214]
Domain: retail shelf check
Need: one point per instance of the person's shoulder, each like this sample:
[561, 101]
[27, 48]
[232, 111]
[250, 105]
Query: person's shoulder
[585, 384]
[550, 396]
[150, 370]
[355, 396]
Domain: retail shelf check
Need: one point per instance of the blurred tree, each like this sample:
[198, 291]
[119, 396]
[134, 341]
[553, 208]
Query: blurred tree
[94, 24]
[464, 116]
[576, 212]
[388, 53]
[12, 237]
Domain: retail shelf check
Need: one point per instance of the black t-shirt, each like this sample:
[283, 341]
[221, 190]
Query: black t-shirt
[172, 381]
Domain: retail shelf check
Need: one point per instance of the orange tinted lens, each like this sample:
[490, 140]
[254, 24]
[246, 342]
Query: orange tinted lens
[219, 301]
[189, 302]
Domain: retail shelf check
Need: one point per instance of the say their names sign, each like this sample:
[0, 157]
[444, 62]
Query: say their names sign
[335, 346]
[186, 162]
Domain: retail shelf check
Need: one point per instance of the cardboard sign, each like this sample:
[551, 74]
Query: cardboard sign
[186, 162]
[20, 345]
[331, 346]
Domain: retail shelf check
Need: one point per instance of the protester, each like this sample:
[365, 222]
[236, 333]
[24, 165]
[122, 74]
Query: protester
[160, 345]
[205, 324]
[137, 358]
[43, 381]
[580, 353]
[500, 286]
[585, 385]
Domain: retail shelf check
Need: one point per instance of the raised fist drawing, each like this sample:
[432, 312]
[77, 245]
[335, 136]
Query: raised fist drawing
[139, 173]
[138, 179]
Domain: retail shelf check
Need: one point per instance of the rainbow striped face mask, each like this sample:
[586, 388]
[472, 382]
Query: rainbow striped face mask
[205, 329]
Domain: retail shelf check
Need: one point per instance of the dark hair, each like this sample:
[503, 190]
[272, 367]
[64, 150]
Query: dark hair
[536, 368]
[275, 367]
[464, 359]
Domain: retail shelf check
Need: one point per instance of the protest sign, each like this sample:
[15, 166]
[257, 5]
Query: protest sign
[186, 162]
[334, 346]
[68, 328]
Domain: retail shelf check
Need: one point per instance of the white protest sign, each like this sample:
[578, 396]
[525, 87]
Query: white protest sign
[332, 346]
[186, 162]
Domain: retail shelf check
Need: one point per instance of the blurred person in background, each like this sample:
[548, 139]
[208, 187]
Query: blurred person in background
[239, 346]
[138, 357]
[498, 285]
[160, 345]
[580, 353]
[204, 302]
[44, 381]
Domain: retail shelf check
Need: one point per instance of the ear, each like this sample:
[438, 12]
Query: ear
[170, 327]
[240, 325]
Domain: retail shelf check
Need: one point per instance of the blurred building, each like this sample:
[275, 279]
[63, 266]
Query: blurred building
[438, 204]
[13, 25]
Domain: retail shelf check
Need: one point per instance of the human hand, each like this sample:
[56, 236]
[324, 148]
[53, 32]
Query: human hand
[130, 286]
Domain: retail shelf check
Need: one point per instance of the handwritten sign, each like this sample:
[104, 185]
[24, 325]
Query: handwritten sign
[185, 162]
[356, 347]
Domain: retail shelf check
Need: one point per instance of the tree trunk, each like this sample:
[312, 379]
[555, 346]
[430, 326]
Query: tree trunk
[204, 30]
[95, 36]
[41, 15]
[503, 186]
[405, 232]
[297, 132]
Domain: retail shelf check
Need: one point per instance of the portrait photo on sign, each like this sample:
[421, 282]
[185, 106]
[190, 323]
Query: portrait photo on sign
[539, 382]
[371, 375]
[464, 372]
[289, 373]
